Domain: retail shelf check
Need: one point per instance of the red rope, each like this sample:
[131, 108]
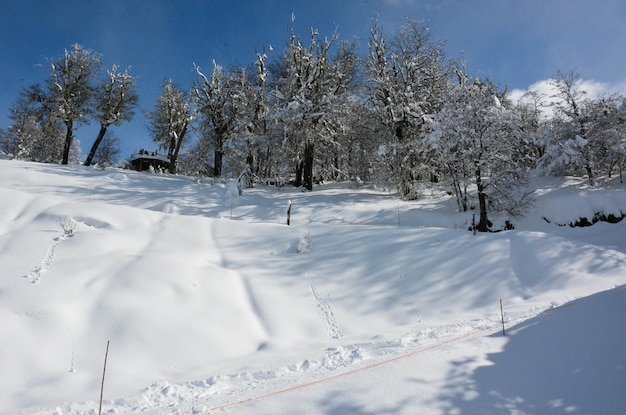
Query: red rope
[353, 371]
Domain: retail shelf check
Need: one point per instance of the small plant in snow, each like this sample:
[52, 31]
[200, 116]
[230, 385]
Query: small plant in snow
[68, 226]
[305, 244]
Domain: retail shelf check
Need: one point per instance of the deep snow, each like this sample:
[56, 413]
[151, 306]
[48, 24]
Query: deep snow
[365, 305]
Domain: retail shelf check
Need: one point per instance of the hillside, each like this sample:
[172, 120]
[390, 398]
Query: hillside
[364, 305]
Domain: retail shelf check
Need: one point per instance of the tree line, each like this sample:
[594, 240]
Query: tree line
[402, 113]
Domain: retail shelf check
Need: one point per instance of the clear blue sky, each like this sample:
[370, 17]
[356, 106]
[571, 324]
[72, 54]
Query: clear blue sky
[517, 42]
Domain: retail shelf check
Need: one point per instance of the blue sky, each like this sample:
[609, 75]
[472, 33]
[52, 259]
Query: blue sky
[517, 42]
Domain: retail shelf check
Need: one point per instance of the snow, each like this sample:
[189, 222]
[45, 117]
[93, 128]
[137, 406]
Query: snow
[364, 305]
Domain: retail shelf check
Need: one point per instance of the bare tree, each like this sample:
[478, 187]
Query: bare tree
[116, 99]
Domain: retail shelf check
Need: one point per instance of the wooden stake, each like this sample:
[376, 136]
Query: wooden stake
[502, 314]
[289, 213]
[103, 373]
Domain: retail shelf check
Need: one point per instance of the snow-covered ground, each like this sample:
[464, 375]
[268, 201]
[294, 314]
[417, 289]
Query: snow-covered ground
[364, 305]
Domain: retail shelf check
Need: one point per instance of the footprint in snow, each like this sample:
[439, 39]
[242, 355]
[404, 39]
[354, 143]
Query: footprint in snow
[46, 260]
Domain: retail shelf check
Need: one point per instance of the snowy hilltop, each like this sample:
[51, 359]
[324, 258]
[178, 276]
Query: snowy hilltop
[365, 304]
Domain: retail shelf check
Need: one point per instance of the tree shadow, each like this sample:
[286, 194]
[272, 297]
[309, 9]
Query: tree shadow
[570, 360]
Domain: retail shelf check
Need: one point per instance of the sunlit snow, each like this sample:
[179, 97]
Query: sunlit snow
[364, 305]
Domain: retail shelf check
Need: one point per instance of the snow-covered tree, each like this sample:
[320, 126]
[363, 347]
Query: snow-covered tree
[314, 85]
[587, 129]
[71, 88]
[476, 137]
[213, 98]
[256, 141]
[170, 119]
[75, 91]
[7, 146]
[408, 80]
[116, 99]
[355, 142]
[340, 151]
[615, 156]
[49, 143]
[35, 132]
[25, 129]
[607, 132]
[535, 126]
[198, 160]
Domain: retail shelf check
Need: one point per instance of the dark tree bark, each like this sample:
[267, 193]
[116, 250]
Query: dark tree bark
[299, 168]
[96, 143]
[483, 222]
[217, 164]
[69, 136]
[308, 166]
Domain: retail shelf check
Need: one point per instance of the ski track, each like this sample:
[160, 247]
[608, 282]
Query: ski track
[46, 260]
[334, 331]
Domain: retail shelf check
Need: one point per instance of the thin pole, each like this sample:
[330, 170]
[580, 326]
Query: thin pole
[502, 314]
[103, 373]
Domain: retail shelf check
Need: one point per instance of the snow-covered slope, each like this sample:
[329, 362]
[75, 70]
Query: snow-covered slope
[365, 305]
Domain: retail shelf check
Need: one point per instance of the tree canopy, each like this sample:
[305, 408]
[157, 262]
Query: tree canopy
[403, 114]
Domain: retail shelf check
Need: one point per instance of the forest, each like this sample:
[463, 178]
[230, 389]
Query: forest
[396, 111]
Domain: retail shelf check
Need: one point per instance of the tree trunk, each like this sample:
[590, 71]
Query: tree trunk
[298, 181]
[589, 174]
[483, 223]
[94, 146]
[69, 136]
[174, 157]
[267, 165]
[461, 199]
[217, 164]
[308, 166]
[218, 155]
